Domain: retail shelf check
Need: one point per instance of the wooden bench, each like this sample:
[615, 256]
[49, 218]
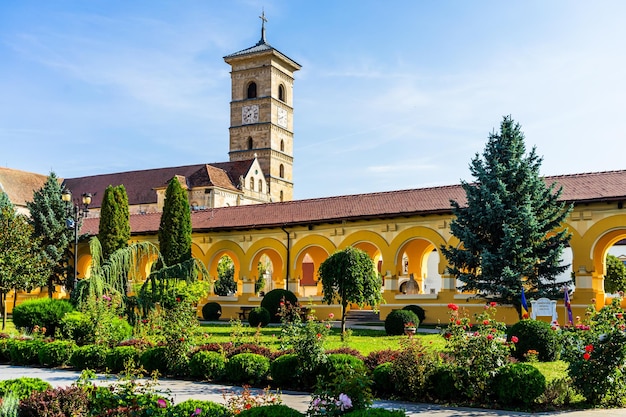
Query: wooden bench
[245, 312]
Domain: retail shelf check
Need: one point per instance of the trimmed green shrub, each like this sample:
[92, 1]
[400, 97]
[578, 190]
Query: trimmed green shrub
[535, 335]
[338, 363]
[56, 353]
[212, 311]
[154, 359]
[208, 409]
[22, 387]
[89, 357]
[70, 401]
[42, 312]
[395, 321]
[375, 412]
[25, 352]
[117, 329]
[247, 368]
[283, 370]
[441, 383]
[259, 316]
[120, 357]
[207, 365]
[275, 410]
[78, 327]
[419, 311]
[518, 383]
[345, 374]
[272, 301]
[382, 376]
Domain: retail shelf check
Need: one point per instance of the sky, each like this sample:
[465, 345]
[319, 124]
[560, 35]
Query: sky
[391, 95]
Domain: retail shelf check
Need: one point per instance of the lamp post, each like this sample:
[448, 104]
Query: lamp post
[75, 214]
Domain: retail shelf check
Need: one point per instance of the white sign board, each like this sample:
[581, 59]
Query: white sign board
[543, 307]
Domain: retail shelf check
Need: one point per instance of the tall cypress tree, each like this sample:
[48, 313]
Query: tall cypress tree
[48, 216]
[175, 227]
[509, 230]
[114, 228]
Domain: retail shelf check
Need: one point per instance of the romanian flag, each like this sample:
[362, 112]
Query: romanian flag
[525, 314]
[568, 305]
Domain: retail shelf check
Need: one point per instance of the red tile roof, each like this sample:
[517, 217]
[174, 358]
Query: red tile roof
[20, 185]
[140, 185]
[578, 188]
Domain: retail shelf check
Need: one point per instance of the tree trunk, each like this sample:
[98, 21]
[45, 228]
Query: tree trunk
[3, 302]
[50, 287]
[343, 320]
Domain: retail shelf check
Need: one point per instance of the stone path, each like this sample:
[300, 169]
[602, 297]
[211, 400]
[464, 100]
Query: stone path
[182, 390]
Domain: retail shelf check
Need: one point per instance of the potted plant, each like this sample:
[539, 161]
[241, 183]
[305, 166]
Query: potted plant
[410, 329]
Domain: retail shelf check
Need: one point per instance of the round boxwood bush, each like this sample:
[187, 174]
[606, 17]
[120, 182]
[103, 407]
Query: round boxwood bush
[518, 383]
[212, 311]
[283, 370]
[42, 312]
[154, 359]
[25, 352]
[78, 327]
[272, 301]
[395, 321]
[56, 353]
[382, 376]
[247, 368]
[259, 316]
[274, 410]
[441, 383]
[208, 408]
[207, 365]
[22, 387]
[535, 335]
[89, 357]
[120, 357]
[419, 311]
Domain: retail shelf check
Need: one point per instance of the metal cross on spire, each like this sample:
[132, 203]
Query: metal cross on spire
[263, 20]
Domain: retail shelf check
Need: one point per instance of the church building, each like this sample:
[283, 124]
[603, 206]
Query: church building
[260, 169]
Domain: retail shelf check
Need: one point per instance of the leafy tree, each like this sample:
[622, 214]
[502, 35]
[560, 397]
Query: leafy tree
[48, 216]
[509, 231]
[23, 263]
[114, 229]
[615, 279]
[225, 277]
[175, 228]
[349, 276]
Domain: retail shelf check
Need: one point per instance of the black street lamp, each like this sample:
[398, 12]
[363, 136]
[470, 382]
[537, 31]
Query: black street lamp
[75, 214]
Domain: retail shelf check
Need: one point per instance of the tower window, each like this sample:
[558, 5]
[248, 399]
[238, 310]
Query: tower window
[250, 143]
[281, 171]
[281, 196]
[260, 186]
[252, 183]
[252, 90]
[281, 92]
[282, 146]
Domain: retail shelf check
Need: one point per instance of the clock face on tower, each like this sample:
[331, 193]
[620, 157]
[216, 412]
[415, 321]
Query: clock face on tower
[250, 114]
[282, 117]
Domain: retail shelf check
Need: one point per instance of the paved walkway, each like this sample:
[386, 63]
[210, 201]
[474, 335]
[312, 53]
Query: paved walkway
[182, 390]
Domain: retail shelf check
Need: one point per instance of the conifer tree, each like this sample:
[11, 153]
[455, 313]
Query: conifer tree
[48, 216]
[510, 230]
[175, 227]
[114, 229]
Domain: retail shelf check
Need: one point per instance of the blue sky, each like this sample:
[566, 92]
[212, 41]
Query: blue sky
[392, 94]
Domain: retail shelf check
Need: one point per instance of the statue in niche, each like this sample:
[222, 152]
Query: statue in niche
[412, 287]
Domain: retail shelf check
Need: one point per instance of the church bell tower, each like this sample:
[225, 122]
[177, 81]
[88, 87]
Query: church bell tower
[261, 112]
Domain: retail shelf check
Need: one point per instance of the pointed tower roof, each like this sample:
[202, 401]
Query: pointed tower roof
[262, 46]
